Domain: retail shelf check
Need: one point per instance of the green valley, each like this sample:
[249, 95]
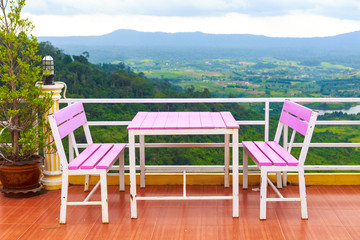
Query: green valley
[256, 77]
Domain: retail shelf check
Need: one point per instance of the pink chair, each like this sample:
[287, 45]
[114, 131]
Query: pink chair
[96, 159]
[271, 157]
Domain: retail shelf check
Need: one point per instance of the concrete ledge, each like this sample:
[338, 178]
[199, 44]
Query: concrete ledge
[218, 179]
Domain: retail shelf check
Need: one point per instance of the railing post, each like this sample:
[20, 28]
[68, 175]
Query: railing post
[267, 110]
[52, 173]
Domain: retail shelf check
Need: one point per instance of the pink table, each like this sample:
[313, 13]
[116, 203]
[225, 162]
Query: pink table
[183, 123]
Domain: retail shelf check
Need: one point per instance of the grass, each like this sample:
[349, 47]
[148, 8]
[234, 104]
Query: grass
[329, 65]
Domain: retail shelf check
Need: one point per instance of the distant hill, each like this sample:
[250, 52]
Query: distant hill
[124, 44]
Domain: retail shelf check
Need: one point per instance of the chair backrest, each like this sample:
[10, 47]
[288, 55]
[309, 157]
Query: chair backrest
[300, 119]
[63, 123]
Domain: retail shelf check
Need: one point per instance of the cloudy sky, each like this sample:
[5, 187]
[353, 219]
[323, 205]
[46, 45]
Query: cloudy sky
[276, 18]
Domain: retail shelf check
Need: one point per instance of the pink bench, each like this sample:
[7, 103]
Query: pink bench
[96, 159]
[271, 157]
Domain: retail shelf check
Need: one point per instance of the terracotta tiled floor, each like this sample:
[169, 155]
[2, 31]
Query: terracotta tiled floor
[334, 213]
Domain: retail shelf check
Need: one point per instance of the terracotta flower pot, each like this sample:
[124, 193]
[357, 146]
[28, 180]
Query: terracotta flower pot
[21, 178]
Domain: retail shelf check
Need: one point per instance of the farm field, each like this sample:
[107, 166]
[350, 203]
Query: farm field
[256, 77]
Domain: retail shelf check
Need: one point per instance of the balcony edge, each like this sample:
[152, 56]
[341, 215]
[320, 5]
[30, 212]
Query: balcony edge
[218, 179]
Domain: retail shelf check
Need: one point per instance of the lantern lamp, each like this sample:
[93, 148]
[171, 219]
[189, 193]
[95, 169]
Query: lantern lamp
[48, 65]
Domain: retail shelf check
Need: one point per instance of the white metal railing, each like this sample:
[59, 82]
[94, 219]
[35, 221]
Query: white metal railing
[265, 122]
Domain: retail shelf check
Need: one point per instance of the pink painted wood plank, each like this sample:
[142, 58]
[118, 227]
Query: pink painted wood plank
[72, 124]
[294, 123]
[217, 120]
[194, 120]
[137, 121]
[97, 156]
[229, 120]
[67, 112]
[297, 110]
[149, 120]
[256, 154]
[288, 158]
[172, 119]
[206, 121]
[160, 120]
[111, 156]
[270, 153]
[83, 156]
[183, 120]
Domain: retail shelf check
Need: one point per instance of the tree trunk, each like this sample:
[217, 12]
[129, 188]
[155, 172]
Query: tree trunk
[15, 136]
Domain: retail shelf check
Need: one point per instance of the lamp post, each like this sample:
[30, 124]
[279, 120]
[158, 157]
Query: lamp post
[52, 170]
[49, 70]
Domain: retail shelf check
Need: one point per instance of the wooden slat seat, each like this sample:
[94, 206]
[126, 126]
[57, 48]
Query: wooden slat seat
[289, 159]
[100, 156]
[111, 156]
[274, 157]
[80, 159]
[95, 159]
[257, 155]
[269, 156]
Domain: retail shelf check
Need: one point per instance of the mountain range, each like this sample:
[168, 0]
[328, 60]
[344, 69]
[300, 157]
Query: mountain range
[125, 44]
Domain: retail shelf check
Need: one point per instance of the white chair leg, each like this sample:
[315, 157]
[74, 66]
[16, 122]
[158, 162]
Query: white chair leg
[304, 213]
[263, 194]
[284, 179]
[104, 199]
[245, 169]
[278, 180]
[87, 183]
[121, 172]
[64, 195]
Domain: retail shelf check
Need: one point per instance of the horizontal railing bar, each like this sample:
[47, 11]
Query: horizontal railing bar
[351, 145]
[337, 122]
[180, 168]
[171, 100]
[182, 145]
[206, 100]
[177, 145]
[219, 145]
[125, 123]
[332, 167]
[220, 168]
[251, 122]
[108, 123]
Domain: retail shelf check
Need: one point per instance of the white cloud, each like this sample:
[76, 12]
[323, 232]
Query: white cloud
[295, 18]
[343, 9]
[295, 25]
[116, 7]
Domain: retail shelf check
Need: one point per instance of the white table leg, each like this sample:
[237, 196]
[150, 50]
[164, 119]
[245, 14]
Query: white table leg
[132, 164]
[235, 171]
[142, 160]
[226, 160]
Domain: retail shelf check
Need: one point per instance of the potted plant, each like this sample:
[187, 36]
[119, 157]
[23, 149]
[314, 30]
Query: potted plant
[22, 104]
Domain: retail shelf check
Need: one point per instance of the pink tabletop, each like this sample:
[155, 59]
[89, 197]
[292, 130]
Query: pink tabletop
[182, 120]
